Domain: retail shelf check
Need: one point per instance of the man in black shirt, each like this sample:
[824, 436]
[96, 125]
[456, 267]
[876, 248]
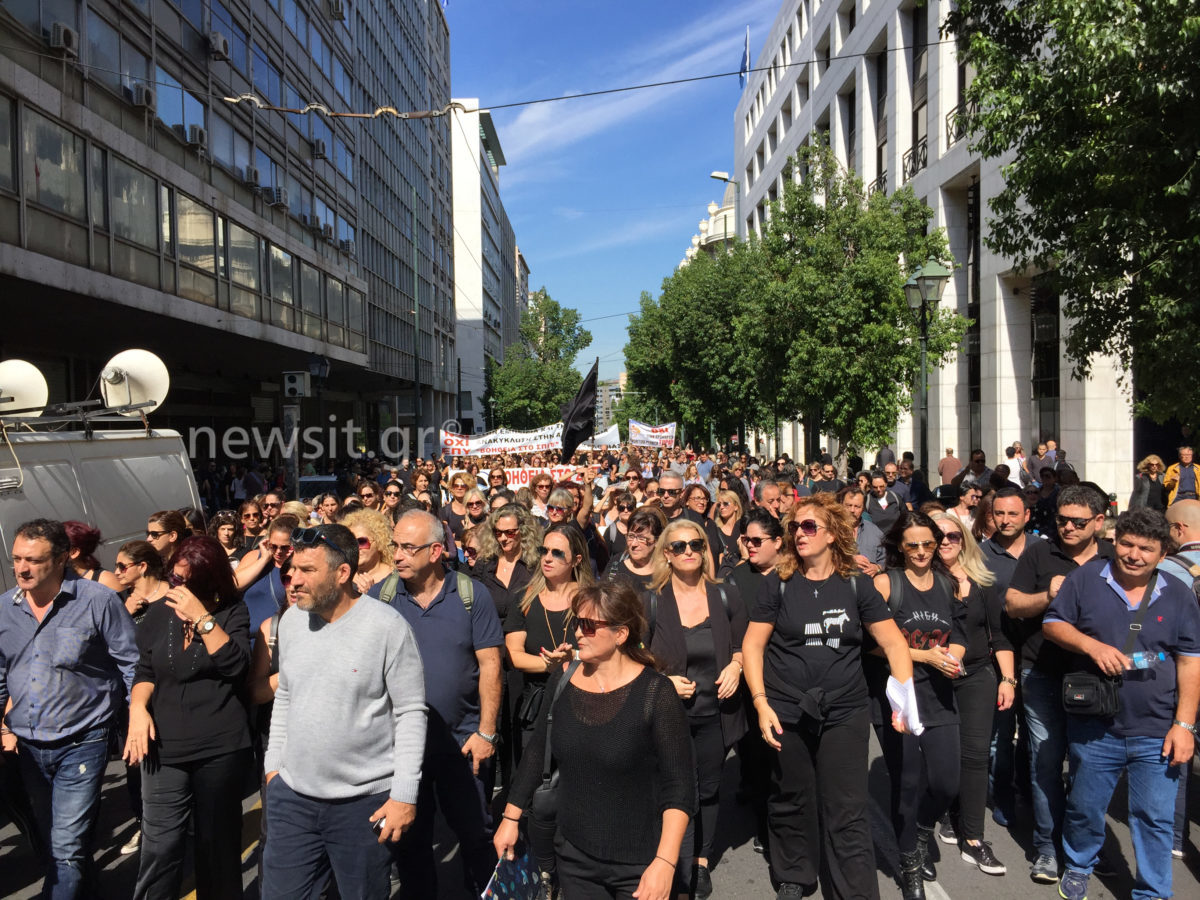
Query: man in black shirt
[1038, 574]
[829, 480]
[670, 490]
[883, 506]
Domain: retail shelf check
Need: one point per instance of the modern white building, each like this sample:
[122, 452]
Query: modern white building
[485, 272]
[874, 78]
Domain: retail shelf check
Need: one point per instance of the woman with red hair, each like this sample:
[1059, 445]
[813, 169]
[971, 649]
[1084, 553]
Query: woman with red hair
[188, 728]
[84, 541]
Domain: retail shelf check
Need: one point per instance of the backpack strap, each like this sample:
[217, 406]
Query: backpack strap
[896, 582]
[466, 589]
[558, 689]
[653, 597]
[388, 591]
[724, 598]
[273, 645]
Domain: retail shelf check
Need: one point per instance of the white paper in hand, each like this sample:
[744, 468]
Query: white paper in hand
[903, 700]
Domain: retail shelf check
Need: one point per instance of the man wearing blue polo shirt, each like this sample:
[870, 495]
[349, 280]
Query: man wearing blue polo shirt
[458, 632]
[1152, 736]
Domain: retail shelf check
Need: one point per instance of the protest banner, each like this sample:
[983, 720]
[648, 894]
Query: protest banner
[610, 438]
[643, 435]
[503, 441]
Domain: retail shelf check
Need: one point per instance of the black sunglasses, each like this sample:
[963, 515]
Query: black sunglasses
[625, 507]
[553, 551]
[588, 627]
[696, 545]
[303, 538]
[1080, 523]
[808, 527]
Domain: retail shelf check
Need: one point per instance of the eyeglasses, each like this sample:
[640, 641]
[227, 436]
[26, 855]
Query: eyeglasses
[753, 542]
[285, 578]
[506, 532]
[285, 549]
[625, 507]
[176, 580]
[120, 568]
[474, 504]
[651, 494]
[391, 493]
[154, 535]
[914, 546]
[556, 509]
[696, 545]
[364, 543]
[302, 538]
[365, 495]
[543, 486]
[589, 627]
[470, 552]
[952, 537]
[252, 515]
[639, 538]
[413, 549]
[1078, 523]
[808, 527]
[272, 505]
[724, 504]
[670, 492]
[560, 555]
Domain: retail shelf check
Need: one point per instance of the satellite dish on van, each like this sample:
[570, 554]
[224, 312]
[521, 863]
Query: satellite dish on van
[134, 377]
[22, 387]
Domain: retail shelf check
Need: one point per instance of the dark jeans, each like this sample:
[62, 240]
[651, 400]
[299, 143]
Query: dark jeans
[1181, 802]
[1046, 723]
[818, 808]
[447, 783]
[311, 837]
[63, 779]
[924, 773]
[709, 748]
[209, 792]
[976, 698]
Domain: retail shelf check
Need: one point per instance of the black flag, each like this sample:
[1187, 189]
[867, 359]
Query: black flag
[579, 416]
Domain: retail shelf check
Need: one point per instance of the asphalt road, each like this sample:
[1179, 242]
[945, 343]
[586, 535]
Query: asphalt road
[738, 872]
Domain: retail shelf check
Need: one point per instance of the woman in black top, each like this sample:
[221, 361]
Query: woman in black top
[921, 596]
[225, 527]
[620, 740]
[614, 535]
[634, 566]
[1148, 487]
[188, 727]
[729, 515]
[696, 631]
[976, 693]
[803, 658]
[454, 513]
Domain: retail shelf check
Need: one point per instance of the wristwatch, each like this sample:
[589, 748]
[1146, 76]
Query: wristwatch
[204, 625]
[1185, 726]
[490, 738]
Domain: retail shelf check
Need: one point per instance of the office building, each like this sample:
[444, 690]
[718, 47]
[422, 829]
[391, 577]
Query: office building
[878, 83]
[139, 207]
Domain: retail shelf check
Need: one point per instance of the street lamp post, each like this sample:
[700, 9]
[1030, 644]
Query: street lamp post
[737, 200]
[925, 287]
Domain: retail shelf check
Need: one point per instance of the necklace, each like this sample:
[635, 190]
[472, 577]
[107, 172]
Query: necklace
[550, 628]
[816, 584]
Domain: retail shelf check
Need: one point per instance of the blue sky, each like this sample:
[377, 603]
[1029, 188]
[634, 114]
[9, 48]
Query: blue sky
[605, 193]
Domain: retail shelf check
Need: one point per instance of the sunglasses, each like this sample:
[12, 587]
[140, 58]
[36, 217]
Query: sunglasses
[952, 537]
[914, 546]
[625, 507]
[696, 545]
[808, 527]
[364, 543]
[154, 535]
[175, 581]
[285, 549]
[367, 495]
[120, 568]
[670, 492]
[475, 504]
[252, 516]
[285, 578]
[651, 494]
[506, 532]
[556, 509]
[589, 627]
[302, 538]
[272, 505]
[391, 493]
[754, 542]
[560, 555]
[1076, 521]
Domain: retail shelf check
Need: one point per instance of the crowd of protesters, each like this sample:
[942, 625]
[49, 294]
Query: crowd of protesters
[430, 638]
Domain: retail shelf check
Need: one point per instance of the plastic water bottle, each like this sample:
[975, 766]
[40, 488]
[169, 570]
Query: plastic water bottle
[1145, 659]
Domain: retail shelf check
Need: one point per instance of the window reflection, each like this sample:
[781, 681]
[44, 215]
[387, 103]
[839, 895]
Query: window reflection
[54, 163]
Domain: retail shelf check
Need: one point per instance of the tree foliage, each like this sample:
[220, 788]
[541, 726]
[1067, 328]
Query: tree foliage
[1095, 104]
[810, 322]
[537, 377]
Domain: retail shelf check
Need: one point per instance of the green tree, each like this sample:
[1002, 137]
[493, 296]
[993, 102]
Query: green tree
[537, 377]
[1095, 105]
[831, 337]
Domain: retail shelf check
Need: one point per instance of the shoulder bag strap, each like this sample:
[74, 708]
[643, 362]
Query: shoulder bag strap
[1136, 625]
[559, 688]
[896, 580]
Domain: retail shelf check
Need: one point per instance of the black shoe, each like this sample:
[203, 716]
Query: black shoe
[912, 885]
[790, 892]
[981, 855]
[704, 886]
[924, 839]
[758, 845]
[946, 833]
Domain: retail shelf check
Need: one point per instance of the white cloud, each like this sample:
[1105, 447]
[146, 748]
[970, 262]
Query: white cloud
[618, 235]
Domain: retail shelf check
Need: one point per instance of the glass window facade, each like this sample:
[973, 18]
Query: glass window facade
[53, 166]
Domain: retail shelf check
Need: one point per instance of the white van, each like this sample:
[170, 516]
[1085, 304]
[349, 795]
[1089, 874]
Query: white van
[112, 480]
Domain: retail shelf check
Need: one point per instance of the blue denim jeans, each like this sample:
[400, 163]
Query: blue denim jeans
[1097, 761]
[1046, 724]
[308, 837]
[63, 779]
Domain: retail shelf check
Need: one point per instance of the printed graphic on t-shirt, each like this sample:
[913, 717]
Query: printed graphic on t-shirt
[827, 632]
[924, 629]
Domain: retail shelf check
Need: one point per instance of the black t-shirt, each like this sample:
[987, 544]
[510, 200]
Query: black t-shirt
[618, 571]
[1041, 562]
[542, 627]
[456, 523]
[702, 669]
[817, 641]
[984, 627]
[929, 619]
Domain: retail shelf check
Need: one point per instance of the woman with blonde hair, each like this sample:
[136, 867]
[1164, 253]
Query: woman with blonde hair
[510, 551]
[976, 692]
[729, 512]
[1148, 487]
[373, 530]
[803, 657]
[696, 630]
[476, 506]
[539, 635]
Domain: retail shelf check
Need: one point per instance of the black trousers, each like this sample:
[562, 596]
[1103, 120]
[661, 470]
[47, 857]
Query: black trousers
[708, 745]
[817, 809]
[976, 698]
[210, 791]
[583, 877]
[917, 801]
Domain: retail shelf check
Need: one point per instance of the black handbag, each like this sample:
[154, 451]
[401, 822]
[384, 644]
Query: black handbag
[544, 805]
[1098, 695]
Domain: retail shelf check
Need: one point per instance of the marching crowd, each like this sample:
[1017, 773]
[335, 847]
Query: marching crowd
[564, 668]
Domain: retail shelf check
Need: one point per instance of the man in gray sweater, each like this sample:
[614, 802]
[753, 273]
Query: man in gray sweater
[347, 733]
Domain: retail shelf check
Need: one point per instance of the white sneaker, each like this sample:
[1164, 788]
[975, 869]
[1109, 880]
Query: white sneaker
[133, 844]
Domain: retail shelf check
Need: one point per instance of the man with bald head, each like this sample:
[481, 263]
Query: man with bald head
[1184, 519]
[458, 632]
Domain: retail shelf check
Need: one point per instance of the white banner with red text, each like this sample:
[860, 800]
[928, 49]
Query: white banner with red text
[643, 435]
[503, 441]
[610, 438]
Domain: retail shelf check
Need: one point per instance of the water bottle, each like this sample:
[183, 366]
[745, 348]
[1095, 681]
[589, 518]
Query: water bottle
[1146, 659]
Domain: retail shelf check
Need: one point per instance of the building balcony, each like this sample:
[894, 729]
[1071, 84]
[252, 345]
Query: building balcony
[956, 122]
[915, 159]
[879, 185]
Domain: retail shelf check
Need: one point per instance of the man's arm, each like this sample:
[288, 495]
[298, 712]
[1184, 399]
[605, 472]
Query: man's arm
[1108, 659]
[1180, 744]
[490, 684]
[1020, 605]
[120, 638]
